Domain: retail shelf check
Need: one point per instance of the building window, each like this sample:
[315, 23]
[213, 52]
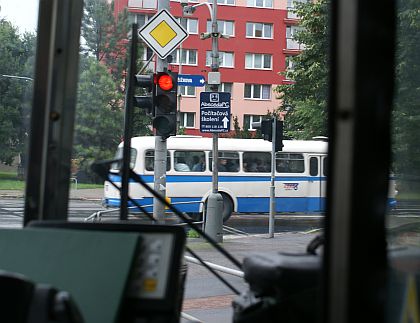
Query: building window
[291, 5]
[290, 64]
[186, 90]
[191, 26]
[193, 1]
[291, 43]
[187, 119]
[258, 61]
[224, 27]
[225, 59]
[140, 19]
[189, 57]
[259, 30]
[224, 87]
[249, 120]
[257, 91]
[260, 3]
[227, 2]
[143, 4]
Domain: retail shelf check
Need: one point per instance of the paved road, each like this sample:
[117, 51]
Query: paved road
[205, 296]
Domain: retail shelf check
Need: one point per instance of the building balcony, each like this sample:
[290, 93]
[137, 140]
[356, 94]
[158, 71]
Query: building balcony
[293, 45]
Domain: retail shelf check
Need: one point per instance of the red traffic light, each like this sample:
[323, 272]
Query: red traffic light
[165, 82]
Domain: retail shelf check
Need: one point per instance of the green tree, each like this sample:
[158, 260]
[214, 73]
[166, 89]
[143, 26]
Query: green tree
[105, 37]
[307, 95]
[407, 100]
[99, 124]
[16, 52]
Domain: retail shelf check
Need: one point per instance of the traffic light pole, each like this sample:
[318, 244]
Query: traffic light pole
[273, 180]
[160, 147]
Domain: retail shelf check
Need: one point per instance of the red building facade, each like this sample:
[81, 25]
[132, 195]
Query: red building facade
[251, 60]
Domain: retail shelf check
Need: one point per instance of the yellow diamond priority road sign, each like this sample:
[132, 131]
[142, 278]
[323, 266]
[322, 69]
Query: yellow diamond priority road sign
[163, 33]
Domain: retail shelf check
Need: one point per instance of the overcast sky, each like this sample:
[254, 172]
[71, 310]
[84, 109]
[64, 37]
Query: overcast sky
[21, 13]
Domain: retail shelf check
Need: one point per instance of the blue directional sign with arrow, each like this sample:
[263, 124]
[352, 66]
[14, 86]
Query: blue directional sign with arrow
[191, 80]
[214, 112]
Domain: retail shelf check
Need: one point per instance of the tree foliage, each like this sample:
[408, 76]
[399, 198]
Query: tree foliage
[99, 125]
[16, 55]
[100, 109]
[307, 95]
[407, 101]
[105, 37]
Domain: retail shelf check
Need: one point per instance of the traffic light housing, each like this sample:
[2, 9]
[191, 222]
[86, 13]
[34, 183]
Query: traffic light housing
[267, 132]
[267, 129]
[165, 113]
[145, 101]
[279, 136]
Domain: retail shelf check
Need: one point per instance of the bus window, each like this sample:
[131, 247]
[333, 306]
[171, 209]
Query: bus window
[325, 166]
[228, 161]
[289, 163]
[189, 161]
[313, 166]
[119, 154]
[257, 162]
[149, 161]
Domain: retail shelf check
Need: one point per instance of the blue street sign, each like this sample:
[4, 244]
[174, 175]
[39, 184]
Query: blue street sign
[191, 80]
[214, 112]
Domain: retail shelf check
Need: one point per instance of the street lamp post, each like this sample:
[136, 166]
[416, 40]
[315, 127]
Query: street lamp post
[214, 219]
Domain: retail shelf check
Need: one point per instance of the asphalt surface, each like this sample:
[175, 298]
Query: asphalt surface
[206, 297]
[217, 306]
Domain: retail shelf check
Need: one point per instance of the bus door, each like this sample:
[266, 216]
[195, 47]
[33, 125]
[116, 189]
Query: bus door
[315, 184]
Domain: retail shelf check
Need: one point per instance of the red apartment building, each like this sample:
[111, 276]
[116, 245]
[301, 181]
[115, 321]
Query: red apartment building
[260, 42]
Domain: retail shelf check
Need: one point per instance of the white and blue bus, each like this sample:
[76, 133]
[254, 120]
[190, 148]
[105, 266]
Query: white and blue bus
[244, 174]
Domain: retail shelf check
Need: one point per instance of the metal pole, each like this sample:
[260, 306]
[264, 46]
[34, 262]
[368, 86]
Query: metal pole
[214, 219]
[178, 116]
[215, 88]
[273, 181]
[160, 146]
[128, 126]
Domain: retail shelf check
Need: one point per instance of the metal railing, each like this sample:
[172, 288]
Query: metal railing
[97, 216]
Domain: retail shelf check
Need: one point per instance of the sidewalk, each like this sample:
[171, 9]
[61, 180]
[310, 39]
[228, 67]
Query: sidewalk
[90, 194]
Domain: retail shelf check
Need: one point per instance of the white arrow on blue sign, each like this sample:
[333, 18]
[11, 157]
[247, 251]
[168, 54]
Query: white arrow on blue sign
[191, 80]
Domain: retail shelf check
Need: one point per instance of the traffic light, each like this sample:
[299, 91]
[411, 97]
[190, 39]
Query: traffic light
[165, 104]
[279, 136]
[145, 102]
[267, 129]
[267, 132]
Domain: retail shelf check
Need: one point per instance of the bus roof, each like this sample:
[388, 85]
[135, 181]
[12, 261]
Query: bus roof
[205, 143]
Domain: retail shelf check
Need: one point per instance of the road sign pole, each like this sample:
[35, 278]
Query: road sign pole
[160, 147]
[214, 218]
[178, 116]
[273, 181]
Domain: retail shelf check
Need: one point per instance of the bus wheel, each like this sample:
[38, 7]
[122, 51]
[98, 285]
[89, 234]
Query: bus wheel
[227, 207]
